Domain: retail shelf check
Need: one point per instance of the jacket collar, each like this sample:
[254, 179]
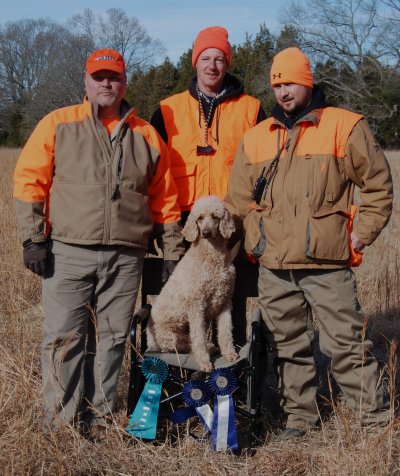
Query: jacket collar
[126, 110]
[232, 88]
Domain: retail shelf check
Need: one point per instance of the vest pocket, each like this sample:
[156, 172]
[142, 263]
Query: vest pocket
[254, 241]
[327, 236]
[131, 219]
[77, 211]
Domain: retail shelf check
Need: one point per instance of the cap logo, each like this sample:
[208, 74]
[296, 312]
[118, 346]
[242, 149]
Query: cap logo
[111, 58]
[275, 76]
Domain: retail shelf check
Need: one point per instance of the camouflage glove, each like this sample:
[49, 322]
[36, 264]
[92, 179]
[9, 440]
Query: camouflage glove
[36, 257]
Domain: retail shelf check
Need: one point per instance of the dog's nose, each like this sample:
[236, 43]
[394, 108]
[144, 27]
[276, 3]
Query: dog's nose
[206, 233]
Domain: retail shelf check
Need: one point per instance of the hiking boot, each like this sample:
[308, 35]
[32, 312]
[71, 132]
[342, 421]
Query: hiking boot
[290, 434]
[98, 433]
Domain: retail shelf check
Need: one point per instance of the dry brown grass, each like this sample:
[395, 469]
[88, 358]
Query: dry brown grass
[340, 448]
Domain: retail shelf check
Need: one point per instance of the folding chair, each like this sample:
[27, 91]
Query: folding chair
[249, 369]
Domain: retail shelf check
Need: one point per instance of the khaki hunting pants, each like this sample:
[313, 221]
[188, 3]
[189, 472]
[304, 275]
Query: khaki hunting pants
[88, 303]
[286, 299]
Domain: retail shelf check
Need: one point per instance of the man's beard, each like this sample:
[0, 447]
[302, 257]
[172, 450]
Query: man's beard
[106, 101]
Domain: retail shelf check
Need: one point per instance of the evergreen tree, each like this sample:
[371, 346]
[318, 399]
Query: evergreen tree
[185, 71]
[139, 89]
[146, 89]
[287, 37]
[250, 62]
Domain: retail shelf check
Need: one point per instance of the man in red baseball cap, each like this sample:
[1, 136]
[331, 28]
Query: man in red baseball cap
[105, 83]
[91, 185]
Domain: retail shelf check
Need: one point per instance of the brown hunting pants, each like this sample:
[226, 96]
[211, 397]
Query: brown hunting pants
[286, 299]
[88, 303]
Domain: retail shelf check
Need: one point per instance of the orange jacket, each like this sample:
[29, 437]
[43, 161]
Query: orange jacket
[199, 175]
[302, 220]
[93, 190]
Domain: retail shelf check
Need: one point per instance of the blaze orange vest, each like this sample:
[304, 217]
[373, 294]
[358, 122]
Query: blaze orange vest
[328, 137]
[199, 175]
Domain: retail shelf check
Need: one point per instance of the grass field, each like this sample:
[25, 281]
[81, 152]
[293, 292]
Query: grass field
[339, 448]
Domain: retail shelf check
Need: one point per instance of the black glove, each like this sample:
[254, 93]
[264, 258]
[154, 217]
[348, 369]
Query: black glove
[35, 257]
[168, 267]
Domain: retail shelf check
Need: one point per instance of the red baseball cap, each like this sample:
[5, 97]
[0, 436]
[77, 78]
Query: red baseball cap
[105, 59]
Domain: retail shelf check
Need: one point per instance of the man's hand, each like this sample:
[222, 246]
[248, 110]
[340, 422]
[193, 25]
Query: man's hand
[36, 257]
[356, 244]
[168, 267]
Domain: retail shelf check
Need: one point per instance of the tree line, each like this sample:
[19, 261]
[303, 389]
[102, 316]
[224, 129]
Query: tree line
[353, 45]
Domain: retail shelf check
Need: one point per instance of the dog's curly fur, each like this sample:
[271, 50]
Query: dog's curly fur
[199, 290]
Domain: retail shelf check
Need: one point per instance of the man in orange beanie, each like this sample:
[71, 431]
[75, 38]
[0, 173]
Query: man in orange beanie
[202, 127]
[86, 203]
[292, 184]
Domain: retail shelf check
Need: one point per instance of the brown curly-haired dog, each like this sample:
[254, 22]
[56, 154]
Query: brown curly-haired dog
[199, 290]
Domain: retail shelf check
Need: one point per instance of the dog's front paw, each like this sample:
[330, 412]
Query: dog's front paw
[206, 368]
[231, 357]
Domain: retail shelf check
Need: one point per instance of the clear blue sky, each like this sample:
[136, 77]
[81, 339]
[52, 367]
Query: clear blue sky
[174, 22]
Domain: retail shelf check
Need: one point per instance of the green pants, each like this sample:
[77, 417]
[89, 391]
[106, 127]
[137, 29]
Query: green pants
[286, 299]
[88, 302]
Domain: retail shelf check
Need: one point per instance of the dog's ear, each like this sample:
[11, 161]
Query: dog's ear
[227, 225]
[191, 230]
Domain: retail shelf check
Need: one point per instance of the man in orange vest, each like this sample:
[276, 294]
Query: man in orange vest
[202, 128]
[90, 186]
[203, 125]
[292, 183]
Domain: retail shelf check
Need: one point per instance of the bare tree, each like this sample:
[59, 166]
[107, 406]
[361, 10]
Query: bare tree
[390, 18]
[39, 65]
[394, 4]
[345, 31]
[42, 63]
[118, 31]
[349, 42]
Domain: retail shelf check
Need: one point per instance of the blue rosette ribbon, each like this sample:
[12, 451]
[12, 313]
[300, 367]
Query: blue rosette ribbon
[195, 394]
[222, 382]
[143, 421]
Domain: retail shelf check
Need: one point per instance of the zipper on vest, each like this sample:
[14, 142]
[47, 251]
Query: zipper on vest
[291, 145]
[99, 129]
[116, 193]
[107, 214]
[285, 145]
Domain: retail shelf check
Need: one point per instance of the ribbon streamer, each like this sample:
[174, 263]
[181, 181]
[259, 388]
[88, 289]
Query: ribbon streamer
[222, 382]
[195, 394]
[143, 421]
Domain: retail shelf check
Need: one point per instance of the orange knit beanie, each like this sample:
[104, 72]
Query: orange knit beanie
[211, 37]
[291, 66]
